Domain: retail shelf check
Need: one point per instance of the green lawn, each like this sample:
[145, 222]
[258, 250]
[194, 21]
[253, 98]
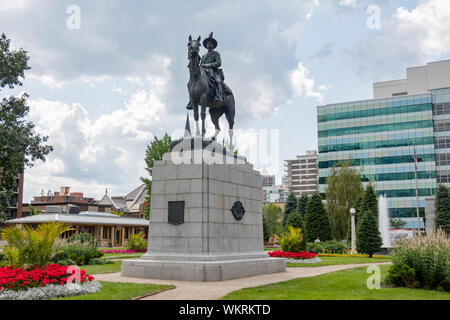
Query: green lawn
[103, 268]
[329, 261]
[120, 291]
[340, 285]
[122, 255]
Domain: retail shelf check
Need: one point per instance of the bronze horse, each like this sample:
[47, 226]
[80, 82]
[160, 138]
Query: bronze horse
[200, 93]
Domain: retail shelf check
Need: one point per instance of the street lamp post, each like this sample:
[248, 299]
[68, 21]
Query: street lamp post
[352, 212]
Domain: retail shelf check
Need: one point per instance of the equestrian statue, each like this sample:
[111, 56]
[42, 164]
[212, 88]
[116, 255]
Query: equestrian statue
[207, 88]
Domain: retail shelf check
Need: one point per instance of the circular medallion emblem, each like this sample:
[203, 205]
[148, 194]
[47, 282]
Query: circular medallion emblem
[238, 210]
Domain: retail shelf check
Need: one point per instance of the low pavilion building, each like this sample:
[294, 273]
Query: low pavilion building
[108, 229]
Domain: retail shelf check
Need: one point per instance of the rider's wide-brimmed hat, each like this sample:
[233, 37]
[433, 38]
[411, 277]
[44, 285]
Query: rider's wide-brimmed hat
[210, 39]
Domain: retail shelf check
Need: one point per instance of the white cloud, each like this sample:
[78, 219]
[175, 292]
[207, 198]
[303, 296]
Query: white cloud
[408, 38]
[428, 24]
[8, 5]
[303, 84]
[91, 154]
[349, 3]
[145, 54]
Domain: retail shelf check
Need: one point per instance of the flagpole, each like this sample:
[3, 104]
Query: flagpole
[417, 189]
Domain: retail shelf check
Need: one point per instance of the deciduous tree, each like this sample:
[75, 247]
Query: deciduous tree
[155, 151]
[343, 190]
[272, 216]
[20, 146]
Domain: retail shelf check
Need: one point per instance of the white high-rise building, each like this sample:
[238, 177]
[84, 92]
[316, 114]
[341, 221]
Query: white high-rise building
[302, 174]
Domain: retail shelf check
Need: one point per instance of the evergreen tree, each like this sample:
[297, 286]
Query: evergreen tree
[295, 219]
[291, 205]
[301, 205]
[344, 187]
[442, 209]
[368, 238]
[20, 146]
[155, 151]
[370, 201]
[317, 222]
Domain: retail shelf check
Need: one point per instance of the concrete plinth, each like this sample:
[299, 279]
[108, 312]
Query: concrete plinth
[210, 244]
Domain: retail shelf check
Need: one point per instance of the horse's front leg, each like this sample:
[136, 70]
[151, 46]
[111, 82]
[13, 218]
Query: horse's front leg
[203, 121]
[196, 118]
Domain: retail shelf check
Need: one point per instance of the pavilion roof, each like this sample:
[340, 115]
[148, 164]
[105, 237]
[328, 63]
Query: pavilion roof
[83, 218]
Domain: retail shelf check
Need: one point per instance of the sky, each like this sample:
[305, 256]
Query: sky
[108, 76]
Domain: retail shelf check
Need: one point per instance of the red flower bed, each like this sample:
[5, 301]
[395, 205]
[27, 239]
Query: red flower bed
[19, 279]
[292, 255]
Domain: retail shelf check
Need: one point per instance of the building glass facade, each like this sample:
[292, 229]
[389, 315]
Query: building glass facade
[441, 119]
[378, 137]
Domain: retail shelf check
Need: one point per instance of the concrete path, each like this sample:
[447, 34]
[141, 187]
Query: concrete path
[190, 290]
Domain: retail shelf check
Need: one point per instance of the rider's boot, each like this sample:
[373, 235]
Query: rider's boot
[189, 106]
[219, 93]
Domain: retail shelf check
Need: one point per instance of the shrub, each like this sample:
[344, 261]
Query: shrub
[28, 247]
[2, 257]
[429, 256]
[291, 240]
[326, 247]
[137, 242]
[67, 262]
[402, 275]
[83, 237]
[79, 252]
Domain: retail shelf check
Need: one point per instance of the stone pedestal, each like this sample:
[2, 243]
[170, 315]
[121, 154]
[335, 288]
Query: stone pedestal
[209, 243]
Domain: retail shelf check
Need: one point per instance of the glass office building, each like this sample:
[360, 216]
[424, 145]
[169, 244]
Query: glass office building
[378, 137]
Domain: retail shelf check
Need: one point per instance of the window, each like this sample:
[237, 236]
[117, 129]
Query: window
[107, 233]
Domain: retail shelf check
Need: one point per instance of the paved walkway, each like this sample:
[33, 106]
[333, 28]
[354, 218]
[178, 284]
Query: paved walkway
[190, 290]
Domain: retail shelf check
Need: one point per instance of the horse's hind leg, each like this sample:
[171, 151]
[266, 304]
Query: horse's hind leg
[230, 113]
[215, 113]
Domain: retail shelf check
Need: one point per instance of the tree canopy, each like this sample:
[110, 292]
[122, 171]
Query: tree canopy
[442, 209]
[368, 238]
[317, 223]
[301, 205]
[272, 217]
[291, 206]
[343, 190]
[20, 146]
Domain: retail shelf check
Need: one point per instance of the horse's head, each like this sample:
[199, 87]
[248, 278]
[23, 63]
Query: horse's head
[193, 47]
